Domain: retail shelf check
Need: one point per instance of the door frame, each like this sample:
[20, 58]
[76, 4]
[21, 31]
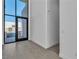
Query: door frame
[16, 29]
[22, 39]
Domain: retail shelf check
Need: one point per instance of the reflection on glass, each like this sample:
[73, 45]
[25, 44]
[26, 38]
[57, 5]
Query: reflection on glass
[9, 29]
[10, 7]
[21, 8]
[22, 30]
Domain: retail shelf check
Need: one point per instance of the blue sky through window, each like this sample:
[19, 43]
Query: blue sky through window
[10, 8]
[9, 19]
[20, 6]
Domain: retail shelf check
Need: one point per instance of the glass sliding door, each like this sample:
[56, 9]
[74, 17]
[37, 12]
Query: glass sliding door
[22, 29]
[15, 20]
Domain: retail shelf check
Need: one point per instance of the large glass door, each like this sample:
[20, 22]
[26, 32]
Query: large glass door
[15, 20]
[16, 29]
[22, 31]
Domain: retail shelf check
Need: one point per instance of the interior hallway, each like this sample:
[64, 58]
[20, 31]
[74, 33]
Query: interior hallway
[28, 50]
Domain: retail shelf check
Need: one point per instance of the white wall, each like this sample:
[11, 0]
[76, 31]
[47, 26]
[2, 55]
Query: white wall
[68, 29]
[52, 22]
[38, 21]
[44, 22]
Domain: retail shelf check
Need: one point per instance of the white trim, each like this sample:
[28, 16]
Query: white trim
[29, 30]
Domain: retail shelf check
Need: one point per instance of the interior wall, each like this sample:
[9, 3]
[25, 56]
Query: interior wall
[68, 29]
[52, 22]
[38, 22]
[44, 22]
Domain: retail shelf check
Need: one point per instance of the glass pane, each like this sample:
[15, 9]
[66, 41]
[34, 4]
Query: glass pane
[22, 28]
[21, 8]
[10, 7]
[9, 29]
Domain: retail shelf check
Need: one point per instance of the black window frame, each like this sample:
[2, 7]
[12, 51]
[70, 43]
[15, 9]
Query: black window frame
[16, 17]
